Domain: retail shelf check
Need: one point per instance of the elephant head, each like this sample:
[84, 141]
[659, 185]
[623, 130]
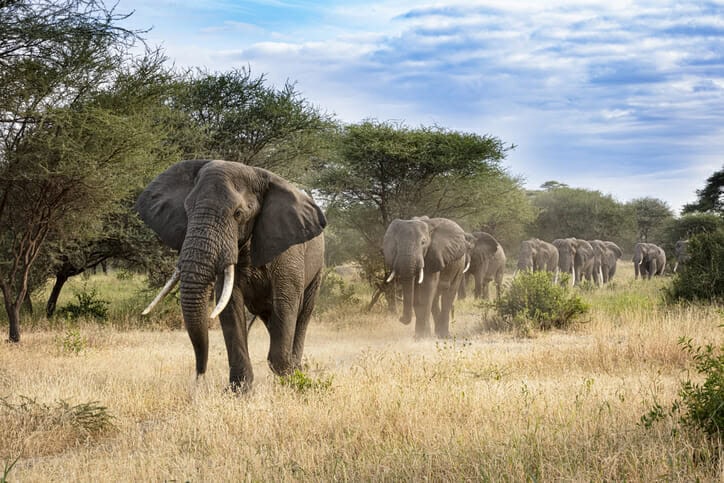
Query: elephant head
[418, 248]
[218, 215]
[681, 252]
[527, 255]
[576, 257]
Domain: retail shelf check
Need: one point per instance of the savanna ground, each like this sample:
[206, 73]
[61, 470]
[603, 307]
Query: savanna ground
[377, 405]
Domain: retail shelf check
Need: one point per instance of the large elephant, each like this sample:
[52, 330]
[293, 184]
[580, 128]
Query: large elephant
[427, 255]
[254, 236]
[606, 255]
[537, 255]
[575, 256]
[649, 259]
[486, 264]
[681, 251]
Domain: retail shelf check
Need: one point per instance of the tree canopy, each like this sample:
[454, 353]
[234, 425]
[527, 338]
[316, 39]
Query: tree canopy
[710, 198]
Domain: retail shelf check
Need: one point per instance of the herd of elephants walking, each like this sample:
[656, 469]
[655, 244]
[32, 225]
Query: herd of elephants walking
[257, 241]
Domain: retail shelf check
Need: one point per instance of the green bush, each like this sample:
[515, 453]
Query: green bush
[702, 277]
[534, 299]
[704, 404]
[701, 405]
[302, 383]
[88, 304]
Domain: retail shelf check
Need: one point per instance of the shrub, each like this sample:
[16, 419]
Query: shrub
[702, 277]
[701, 405]
[302, 383]
[88, 304]
[534, 298]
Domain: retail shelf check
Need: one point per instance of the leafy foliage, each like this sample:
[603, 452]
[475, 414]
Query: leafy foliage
[704, 403]
[586, 214]
[710, 199]
[303, 384]
[534, 297]
[702, 277]
[87, 304]
[651, 216]
[335, 293]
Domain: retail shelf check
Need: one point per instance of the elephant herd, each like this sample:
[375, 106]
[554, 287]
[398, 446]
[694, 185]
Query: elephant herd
[257, 242]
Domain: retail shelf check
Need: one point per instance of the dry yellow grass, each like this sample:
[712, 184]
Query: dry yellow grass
[482, 406]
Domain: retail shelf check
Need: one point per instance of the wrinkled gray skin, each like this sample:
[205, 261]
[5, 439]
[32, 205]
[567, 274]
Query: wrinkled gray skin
[219, 213]
[437, 247]
[606, 255]
[681, 253]
[537, 255]
[575, 256]
[649, 260]
[487, 264]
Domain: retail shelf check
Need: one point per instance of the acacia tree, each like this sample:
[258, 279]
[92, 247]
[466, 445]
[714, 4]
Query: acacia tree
[238, 116]
[651, 215]
[73, 140]
[381, 171]
[710, 198]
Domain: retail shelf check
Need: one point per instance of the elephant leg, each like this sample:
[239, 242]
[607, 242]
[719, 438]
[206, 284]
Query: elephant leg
[308, 302]
[423, 300]
[442, 322]
[478, 285]
[485, 293]
[233, 326]
[282, 327]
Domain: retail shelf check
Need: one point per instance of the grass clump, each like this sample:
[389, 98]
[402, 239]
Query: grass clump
[535, 299]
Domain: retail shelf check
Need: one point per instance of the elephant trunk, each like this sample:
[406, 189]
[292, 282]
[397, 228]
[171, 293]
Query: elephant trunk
[409, 268]
[199, 263]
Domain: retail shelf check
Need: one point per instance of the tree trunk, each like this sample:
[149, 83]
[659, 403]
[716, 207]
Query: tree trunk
[60, 280]
[13, 311]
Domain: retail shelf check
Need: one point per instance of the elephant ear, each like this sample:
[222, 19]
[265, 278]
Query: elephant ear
[287, 217]
[161, 204]
[486, 241]
[447, 243]
[614, 248]
[389, 245]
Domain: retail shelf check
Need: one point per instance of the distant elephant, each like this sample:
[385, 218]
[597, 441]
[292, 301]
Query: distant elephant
[681, 251]
[486, 264]
[537, 255]
[649, 260]
[606, 255]
[575, 256]
[427, 255]
[257, 238]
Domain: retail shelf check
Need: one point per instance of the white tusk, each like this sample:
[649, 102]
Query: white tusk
[555, 278]
[225, 292]
[573, 275]
[676, 265]
[467, 267]
[422, 275]
[515, 272]
[175, 276]
[389, 279]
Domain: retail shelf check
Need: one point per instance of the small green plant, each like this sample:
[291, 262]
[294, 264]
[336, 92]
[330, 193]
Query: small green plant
[73, 342]
[701, 405]
[302, 383]
[534, 297]
[88, 304]
[7, 468]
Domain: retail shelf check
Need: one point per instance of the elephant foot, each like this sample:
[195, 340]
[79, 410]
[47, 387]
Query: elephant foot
[406, 320]
[443, 335]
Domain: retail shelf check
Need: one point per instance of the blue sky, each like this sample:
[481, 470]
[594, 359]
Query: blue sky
[624, 97]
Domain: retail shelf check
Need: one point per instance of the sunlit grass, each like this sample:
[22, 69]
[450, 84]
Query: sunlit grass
[484, 405]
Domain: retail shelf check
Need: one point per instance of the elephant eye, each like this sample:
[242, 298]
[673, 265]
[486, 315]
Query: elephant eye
[237, 214]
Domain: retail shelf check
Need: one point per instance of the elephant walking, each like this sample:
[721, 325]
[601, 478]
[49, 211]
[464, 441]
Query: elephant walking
[486, 264]
[649, 260]
[253, 236]
[537, 255]
[427, 255]
[576, 257]
[606, 255]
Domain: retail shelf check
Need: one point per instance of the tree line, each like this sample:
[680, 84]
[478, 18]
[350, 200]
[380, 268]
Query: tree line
[89, 114]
